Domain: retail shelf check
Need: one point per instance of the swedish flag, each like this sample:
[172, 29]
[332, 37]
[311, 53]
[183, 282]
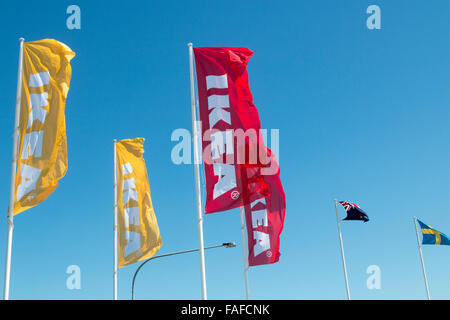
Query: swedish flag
[432, 236]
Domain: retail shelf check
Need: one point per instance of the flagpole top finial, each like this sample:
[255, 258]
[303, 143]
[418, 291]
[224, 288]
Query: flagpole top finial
[189, 44]
[21, 39]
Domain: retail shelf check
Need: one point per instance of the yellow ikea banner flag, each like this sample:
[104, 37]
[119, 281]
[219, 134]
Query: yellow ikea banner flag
[139, 236]
[42, 147]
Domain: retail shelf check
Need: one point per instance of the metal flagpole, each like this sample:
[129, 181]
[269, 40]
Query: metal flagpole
[421, 259]
[115, 223]
[342, 250]
[13, 173]
[197, 175]
[244, 252]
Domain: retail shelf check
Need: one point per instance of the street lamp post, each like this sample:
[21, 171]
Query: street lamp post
[225, 245]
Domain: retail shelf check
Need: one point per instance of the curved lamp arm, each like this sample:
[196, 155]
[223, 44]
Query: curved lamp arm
[225, 245]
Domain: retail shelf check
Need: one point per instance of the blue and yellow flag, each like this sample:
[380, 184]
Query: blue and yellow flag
[432, 236]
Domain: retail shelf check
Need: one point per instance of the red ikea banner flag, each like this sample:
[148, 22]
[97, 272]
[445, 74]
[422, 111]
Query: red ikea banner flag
[239, 169]
[230, 127]
[265, 219]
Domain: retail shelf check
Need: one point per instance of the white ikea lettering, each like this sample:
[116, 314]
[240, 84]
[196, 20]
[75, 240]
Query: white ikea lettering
[32, 141]
[37, 101]
[128, 192]
[218, 82]
[217, 102]
[227, 178]
[29, 176]
[129, 184]
[134, 243]
[221, 142]
[259, 217]
[129, 195]
[262, 242]
[131, 214]
[39, 79]
[127, 169]
[32, 144]
[218, 114]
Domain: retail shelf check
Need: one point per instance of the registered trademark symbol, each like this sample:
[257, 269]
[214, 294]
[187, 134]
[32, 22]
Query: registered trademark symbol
[235, 195]
[268, 254]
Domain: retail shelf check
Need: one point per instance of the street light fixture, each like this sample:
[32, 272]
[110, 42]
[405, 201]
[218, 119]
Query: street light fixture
[225, 245]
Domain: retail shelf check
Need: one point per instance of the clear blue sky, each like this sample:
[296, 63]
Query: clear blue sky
[363, 117]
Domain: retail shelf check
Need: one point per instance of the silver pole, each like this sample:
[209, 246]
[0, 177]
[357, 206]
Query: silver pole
[244, 252]
[342, 250]
[421, 259]
[197, 176]
[13, 174]
[115, 229]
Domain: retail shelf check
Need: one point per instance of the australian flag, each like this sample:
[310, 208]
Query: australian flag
[354, 212]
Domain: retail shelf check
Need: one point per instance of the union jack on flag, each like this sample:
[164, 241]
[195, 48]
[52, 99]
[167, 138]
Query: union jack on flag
[354, 212]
